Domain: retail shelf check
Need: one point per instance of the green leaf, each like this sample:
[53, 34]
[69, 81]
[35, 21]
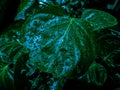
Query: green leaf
[24, 5]
[9, 51]
[58, 45]
[6, 77]
[98, 19]
[12, 52]
[112, 59]
[96, 74]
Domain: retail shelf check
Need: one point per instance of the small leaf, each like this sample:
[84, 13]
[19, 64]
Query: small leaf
[24, 5]
[97, 74]
[98, 19]
[6, 77]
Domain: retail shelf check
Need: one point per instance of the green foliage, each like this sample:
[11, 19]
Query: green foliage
[53, 43]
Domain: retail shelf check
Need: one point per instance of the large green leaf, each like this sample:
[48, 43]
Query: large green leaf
[59, 44]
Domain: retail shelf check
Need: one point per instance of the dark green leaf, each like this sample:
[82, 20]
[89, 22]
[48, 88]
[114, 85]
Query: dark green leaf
[53, 9]
[59, 44]
[98, 19]
[6, 77]
[96, 74]
[24, 5]
[20, 71]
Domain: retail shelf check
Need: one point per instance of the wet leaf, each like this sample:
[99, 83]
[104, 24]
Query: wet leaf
[59, 44]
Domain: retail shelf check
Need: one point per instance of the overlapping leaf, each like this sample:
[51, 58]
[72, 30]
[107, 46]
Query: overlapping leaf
[98, 19]
[24, 5]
